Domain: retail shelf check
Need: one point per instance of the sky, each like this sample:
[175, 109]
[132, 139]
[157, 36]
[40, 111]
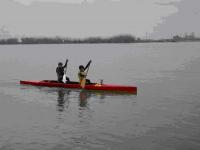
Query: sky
[86, 18]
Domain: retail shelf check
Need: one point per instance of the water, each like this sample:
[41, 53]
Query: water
[163, 115]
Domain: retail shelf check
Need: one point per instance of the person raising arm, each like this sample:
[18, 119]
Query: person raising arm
[82, 74]
[60, 70]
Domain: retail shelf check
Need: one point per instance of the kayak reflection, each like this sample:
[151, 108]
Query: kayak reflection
[63, 99]
[65, 96]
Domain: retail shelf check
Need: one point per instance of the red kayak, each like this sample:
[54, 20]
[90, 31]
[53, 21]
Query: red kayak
[76, 85]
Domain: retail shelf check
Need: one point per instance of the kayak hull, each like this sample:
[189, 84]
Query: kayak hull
[76, 85]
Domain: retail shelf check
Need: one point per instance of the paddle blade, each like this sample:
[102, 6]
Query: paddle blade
[64, 78]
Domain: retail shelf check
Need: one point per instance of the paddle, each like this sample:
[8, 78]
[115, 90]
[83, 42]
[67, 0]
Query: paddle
[65, 70]
[64, 76]
[84, 79]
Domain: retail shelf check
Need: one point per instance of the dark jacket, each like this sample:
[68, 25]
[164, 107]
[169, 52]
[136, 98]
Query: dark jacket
[60, 70]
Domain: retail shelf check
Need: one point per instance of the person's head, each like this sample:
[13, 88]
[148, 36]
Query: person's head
[81, 68]
[60, 64]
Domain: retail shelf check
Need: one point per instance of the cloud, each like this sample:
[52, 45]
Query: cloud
[83, 18]
[185, 20]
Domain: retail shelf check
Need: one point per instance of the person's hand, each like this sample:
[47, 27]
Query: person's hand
[90, 61]
[66, 60]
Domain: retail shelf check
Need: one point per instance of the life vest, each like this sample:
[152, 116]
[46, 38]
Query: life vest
[81, 75]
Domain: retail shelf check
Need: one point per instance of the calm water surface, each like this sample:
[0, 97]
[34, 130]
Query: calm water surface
[163, 115]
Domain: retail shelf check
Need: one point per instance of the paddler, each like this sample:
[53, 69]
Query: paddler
[60, 71]
[82, 74]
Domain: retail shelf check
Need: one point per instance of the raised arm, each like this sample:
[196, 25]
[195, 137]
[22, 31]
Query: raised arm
[88, 65]
[65, 63]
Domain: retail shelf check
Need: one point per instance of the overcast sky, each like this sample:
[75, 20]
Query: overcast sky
[84, 18]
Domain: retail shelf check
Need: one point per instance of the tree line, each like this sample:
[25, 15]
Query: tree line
[59, 40]
[114, 39]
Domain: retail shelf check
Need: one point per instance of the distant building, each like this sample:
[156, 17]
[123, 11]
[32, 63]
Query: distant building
[186, 37]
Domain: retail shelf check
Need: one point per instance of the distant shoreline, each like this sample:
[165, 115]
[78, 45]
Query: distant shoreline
[93, 40]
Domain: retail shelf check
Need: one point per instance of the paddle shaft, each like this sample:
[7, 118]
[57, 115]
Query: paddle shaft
[84, 79]
[65, 70]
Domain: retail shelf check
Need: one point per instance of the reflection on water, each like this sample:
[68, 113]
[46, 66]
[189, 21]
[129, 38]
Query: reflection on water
[83, 98]
[63, 99]
[64, 96]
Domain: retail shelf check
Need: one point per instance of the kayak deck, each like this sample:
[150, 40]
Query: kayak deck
[76, 85]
